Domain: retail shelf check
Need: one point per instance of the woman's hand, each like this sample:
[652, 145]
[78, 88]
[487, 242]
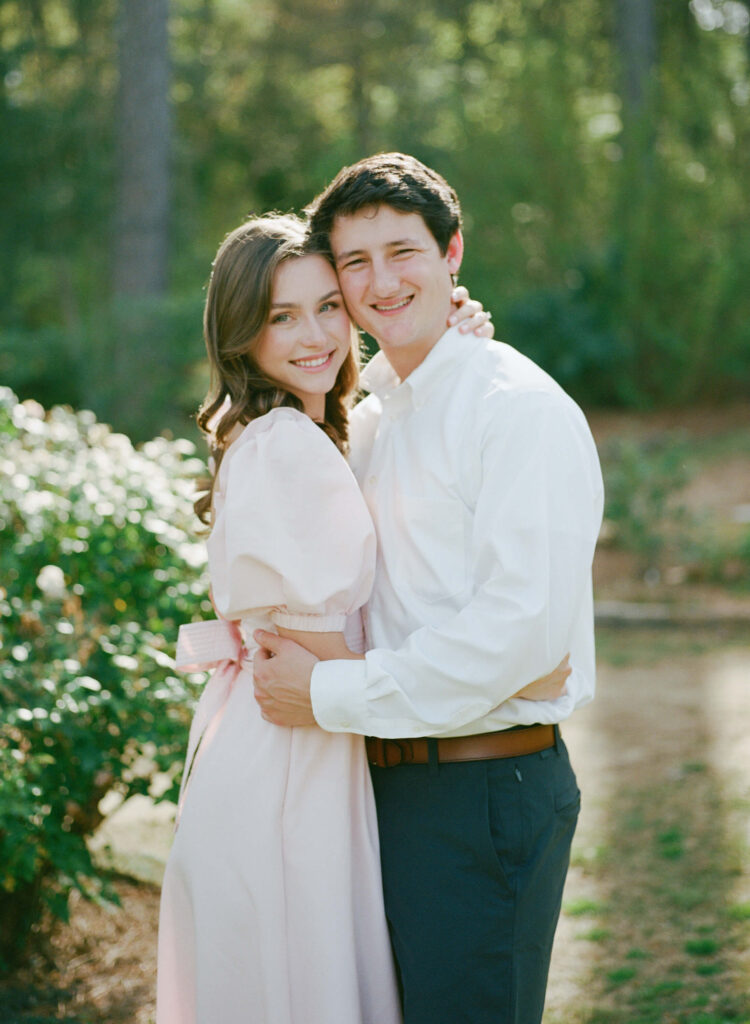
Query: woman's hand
[548, 687]
[470, 314]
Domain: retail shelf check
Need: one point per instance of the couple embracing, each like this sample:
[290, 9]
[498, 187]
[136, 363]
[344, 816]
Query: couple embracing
[319, 877]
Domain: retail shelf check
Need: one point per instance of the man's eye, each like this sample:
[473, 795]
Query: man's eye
[353, 264]
[404, 252]
[328, 307]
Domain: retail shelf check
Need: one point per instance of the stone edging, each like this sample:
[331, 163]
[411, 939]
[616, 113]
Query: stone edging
[628, 614]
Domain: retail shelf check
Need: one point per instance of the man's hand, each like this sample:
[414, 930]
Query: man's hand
[282, 671]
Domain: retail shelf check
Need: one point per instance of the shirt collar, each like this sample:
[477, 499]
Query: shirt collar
[452, 348]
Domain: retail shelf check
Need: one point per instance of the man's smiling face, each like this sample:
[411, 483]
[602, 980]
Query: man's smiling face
[396, 283]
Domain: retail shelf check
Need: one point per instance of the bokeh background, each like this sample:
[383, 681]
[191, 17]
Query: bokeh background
[601, 149]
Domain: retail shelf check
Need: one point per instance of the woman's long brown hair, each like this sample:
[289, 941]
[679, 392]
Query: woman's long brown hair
[237, 309]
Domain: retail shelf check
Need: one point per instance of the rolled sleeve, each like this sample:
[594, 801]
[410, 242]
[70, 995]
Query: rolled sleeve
[337, 692]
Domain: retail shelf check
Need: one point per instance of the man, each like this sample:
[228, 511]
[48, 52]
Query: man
[484, 485]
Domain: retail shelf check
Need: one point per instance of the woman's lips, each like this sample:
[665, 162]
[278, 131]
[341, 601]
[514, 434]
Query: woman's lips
[314, 362]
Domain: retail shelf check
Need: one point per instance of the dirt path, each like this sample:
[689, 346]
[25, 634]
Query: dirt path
[662, 852]
[660, 860]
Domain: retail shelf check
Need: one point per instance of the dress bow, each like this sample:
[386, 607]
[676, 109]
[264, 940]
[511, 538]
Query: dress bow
[202, 646]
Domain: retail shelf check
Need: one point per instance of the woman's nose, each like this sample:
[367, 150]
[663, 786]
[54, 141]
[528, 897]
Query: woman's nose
[314, 334]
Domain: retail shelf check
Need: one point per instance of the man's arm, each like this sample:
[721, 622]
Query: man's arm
[537, 513]
[537, 520]
[283, 669]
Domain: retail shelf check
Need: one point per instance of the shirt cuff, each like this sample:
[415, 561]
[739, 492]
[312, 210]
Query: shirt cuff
[309, 623]
[337, 692]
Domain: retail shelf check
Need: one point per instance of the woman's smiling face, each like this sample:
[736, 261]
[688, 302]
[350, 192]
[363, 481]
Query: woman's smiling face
[308, 334]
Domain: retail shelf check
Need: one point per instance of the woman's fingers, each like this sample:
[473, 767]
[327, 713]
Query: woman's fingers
[470, 315]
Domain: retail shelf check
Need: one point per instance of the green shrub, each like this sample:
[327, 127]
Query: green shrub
[98, 566]
[42, 362]
[641, 481]
[572, 331]
[87, 365]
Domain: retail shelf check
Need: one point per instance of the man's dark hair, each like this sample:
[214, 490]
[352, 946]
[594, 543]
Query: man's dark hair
[389, 179]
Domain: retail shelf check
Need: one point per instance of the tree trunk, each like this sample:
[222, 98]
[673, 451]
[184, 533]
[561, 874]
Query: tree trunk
[356, 15]
[135, 389]
[636, 43]
[635, 31]
[143, 136]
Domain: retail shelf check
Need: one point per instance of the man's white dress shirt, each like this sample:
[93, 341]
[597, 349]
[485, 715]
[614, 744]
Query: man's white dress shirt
[484, 484]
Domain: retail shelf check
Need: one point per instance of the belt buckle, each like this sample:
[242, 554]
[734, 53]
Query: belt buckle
[402, 749]
[379, 755]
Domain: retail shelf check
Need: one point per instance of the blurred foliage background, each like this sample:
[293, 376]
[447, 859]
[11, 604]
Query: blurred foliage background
[600, 147]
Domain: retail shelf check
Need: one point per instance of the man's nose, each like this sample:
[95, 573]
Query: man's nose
[384, 281]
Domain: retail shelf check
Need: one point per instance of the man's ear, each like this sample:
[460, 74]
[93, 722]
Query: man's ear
[455, 252]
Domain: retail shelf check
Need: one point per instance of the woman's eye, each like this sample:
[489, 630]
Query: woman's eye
[404, 252]
[353, 264]
[280, 318]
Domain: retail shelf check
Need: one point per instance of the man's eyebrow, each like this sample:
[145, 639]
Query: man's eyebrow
[390, 245]
[295, 305]
[346, 255]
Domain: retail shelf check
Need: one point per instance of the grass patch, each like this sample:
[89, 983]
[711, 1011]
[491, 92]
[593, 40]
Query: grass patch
[702, 947]
[638, 954]
[670, 843]
[595, 935]
[739, 912]
[620, 975]
[685, 899]
[667, 953]
[716, 448]
[658, 991]
[706, 970]
[580, 908]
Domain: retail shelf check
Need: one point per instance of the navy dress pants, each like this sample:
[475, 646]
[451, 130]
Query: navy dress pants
[474, 859]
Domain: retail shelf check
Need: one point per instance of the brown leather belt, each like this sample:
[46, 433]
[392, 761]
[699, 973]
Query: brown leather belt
[509, 743]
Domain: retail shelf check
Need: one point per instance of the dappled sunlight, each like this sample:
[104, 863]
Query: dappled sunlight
[728, 715]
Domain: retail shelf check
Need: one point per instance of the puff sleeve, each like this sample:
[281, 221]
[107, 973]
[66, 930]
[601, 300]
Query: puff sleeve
[292, 536]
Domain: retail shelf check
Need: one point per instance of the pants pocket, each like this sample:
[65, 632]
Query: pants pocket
[505, 820]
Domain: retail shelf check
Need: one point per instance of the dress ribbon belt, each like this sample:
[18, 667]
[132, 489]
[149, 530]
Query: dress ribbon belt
[202, 646]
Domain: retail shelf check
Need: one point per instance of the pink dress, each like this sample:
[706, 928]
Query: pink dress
[272, 907]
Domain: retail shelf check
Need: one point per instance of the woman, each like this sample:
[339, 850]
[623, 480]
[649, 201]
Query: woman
[271, 902]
